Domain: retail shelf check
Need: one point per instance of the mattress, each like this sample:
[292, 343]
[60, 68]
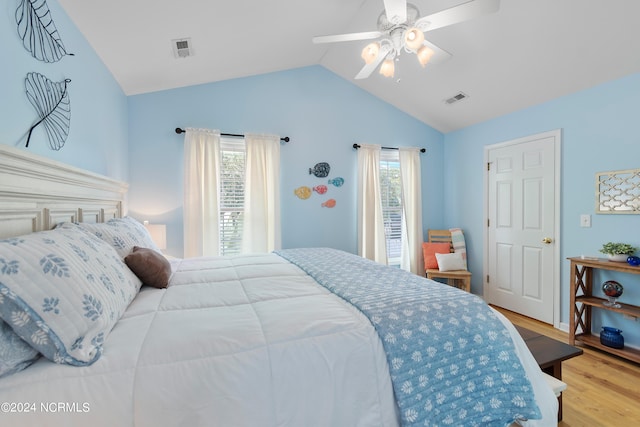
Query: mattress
[233, 341]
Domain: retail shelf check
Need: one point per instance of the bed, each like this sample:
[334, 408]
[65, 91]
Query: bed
[290, 338]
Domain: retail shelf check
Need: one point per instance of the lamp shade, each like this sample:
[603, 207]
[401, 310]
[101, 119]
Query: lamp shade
[370, 52]
[413, 38]
[158, 233]
[424, 55]
[387, 68]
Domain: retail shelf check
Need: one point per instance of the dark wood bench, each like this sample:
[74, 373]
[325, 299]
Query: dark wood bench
[549, 354]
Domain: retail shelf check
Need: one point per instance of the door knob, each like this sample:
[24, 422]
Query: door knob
[547, 240]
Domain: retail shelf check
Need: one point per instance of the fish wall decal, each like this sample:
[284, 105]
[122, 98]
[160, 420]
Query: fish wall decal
[320, 189]
[303, 192]
[321, 170]
[337, 181]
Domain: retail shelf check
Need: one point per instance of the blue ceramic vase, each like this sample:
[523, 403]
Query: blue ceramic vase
[611, 337]
[633, 260]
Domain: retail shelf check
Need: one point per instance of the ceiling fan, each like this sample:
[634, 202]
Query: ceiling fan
[400, 27]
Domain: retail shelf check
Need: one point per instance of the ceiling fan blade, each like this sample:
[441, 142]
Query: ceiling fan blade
[463, 12]
[396, 11]
[347, 37]
[439, 55]
[369, 68]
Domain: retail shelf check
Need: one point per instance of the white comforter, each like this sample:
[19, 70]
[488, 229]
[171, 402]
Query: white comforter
[243, 341]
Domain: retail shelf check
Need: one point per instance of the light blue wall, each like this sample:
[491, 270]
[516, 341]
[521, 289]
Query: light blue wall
[323, 114]
[97, 138]
[600, 132]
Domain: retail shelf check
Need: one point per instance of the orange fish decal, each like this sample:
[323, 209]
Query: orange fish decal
[329, 203]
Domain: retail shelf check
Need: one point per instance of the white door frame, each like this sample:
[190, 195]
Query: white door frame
[557, 138]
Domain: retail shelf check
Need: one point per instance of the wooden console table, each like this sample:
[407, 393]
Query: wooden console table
[582, 302]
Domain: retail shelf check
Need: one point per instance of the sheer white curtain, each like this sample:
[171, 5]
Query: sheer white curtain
[262, 194]
[201, 193]
[410, 177]
[371, 237]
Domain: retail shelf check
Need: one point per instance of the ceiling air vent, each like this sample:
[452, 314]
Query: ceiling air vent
[455, 98]
[182, 48]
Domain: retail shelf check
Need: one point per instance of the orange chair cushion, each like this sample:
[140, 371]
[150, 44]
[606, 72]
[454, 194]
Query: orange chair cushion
[429, 251]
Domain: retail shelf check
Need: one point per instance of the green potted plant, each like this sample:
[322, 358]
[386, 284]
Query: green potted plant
[617, 251]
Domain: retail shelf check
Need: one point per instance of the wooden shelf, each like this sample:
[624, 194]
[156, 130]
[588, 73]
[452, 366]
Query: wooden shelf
[582, 303]
[630, 310]
[594, 341]
[605, 264]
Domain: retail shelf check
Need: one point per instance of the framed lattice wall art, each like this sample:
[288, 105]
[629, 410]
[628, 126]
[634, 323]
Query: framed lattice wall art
[618, 192]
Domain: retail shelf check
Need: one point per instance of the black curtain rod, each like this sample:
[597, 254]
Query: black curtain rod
[235, 135]
[422, 150]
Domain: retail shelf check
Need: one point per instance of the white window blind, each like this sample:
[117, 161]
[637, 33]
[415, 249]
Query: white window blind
[391, 190]
[232, 173]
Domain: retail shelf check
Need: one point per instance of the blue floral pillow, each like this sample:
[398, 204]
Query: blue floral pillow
[121, 233]
[15, 353]
[62, 291]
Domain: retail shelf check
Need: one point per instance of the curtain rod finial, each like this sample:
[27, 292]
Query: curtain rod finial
[179, 131]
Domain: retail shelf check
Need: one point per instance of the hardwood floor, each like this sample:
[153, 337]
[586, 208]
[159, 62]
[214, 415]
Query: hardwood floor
[602, 390]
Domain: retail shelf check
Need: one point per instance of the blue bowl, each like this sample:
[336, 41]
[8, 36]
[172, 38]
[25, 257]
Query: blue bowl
[633, 260]
[611, 337]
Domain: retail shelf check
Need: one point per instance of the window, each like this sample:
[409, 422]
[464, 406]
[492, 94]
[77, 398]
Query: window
[391, 190]
[232, 171]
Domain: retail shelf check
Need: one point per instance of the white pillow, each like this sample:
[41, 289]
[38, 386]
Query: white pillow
[449, 262]
[62, 291]
[121, 233]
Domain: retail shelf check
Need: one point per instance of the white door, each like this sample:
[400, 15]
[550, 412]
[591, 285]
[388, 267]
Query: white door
[522, 265]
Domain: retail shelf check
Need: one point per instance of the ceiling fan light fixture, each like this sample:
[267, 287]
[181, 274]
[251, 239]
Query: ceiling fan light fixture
[424, 55]
[413, 38]
[401, 28]
[388, 68]
[370, 52]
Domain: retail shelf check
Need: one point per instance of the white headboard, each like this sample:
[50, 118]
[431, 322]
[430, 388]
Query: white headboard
[36, 193]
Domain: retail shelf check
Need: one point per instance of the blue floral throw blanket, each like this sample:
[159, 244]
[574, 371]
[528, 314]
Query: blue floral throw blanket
[452, 362]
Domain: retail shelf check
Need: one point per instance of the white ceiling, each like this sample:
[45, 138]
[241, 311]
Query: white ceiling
[529, 52]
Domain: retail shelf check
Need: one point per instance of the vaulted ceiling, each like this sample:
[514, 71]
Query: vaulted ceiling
[529, 52]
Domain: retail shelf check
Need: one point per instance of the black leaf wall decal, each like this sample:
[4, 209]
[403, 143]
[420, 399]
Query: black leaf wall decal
[38, 31]
[51, 101]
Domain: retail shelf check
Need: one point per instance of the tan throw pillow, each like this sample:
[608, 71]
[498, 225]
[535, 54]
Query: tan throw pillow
[152, 268]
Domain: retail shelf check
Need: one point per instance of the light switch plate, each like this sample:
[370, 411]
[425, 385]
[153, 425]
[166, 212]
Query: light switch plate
[585, 220]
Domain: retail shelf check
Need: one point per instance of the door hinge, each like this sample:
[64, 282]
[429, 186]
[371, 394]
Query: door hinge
[488, 222]
[487, 278]
[488, 166]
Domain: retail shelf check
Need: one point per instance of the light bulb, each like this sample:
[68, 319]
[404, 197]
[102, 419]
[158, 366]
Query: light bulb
[413, 38]
[387, 68]
[424, 55]
[370, 52]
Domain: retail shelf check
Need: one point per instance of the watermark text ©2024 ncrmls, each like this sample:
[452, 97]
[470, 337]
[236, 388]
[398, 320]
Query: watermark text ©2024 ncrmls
[45, 407]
